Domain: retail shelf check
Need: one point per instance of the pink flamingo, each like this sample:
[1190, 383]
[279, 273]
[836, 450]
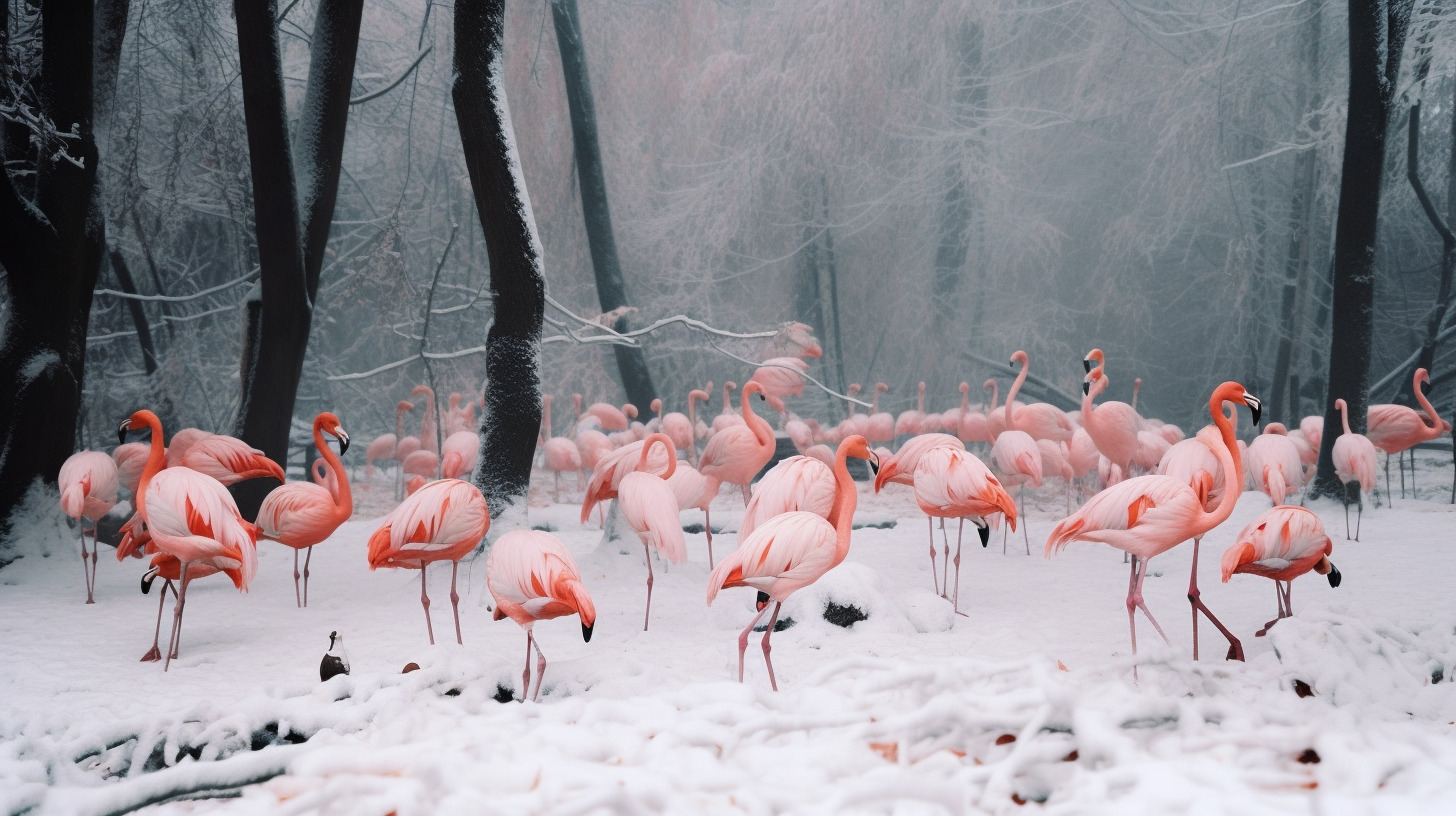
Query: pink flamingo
[1148, 515]
[609, 416]
[383, 447]
[737, 453]
[88, 483]
[727, 419]
[900, 468]
[881, 427]
[1274, 463]
[422, 463]
[694, 491]
[460, 451]
[229, 460]
[130, 458]
[181, 441]
[1151, 446]
[794, 484]
[952, 483]
[429, 436]
[823, 453]
[680, 430]
[1017, 458]
[561, 454]
[614, 466]
[913, 422]
[781, 378]
[532, 576]
[442, 521]
[694, 397]
[169, 569]
[1039, 419]
[1056, 461]
[798, 339]
[1082, 453]
[650, 509]
[971, 426]
[1354, 459]
[1396, 428]
[800, 433]
[302, 514]
[1112, 425]
[192, 518]
[1314, 429]
[1283, 543]
[791, 551]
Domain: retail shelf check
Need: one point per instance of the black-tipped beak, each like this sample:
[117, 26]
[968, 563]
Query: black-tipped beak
[1086, 388]
[343, 442]
[985, 534]
[874, 463]
[1087, 364]
[586, 630]
[1334, 576]
[761, 602]
[121, 432]
[147, 579]
[1255, 407]
[762, 398]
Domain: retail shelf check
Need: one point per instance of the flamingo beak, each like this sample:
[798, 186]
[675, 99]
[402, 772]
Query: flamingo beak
[1086, 387]
[1334, 576]
[984, 531]
[761, 601]
[147, 579]
[1087, 364]
[343, 441]
[1255, 407]
[874, 463]
[586, 630]
[121, 432]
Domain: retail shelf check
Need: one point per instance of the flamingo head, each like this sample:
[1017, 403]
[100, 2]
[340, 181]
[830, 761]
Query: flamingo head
[140, 420]
[699, 396]
[988, 385]
[965, 388]
[656, 405]
[1094, 359]
[881, 387]
[856, 446]
[630, 410]
[1235, 393]
[329, 424]
[749, 389]
[454, 401]
[855, 388]
[1093, 377]
[983, 531]
[404, 407]
[1019, 357]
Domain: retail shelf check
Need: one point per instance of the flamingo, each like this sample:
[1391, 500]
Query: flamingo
[130, 458]
[699, 429]
[650, 508]
[191, 517]
[88, 483]
[1148, 515]
[791, 551]
[422, 463]
[181, 441]
[913, 422]
[1354, 460]
[1017, 458]
[798, 339]
[384, 446]
[609, 416]
[229, 460]
[737, 453]
[1039, 419]
[613, 466]
[301, 514]
[561, 454]
[532, 576]
[429, 436]
[726, 419]
[1283, 543]
[693, 490]
[1396, 428]
[442, 521]
[1082, 453]
[971, 425]
[781, 377]
[460, 451]
[1314, 429]
[881, 426]
[1274, 463]
[900, 468]
[952, 483]
[1112, 425]
[795, 483]
[407, 444]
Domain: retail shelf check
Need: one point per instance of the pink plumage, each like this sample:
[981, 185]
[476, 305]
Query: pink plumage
[130, 459]
[301, 514]
[88, 482]
[900, 468]
[229, 460]
[458, 454]
[1395, 428]
[737, 453]
[1113, 426]
[781, 378]
[1039, 419]
[650, 508]
[1282, 544]
[532, 576]
[1273, 462]
[798, 483]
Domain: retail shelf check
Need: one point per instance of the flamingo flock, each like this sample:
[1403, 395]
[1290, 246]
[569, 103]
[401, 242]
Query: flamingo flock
[1157, 489]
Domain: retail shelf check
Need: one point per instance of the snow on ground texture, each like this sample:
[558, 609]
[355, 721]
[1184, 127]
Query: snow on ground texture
[911, 711]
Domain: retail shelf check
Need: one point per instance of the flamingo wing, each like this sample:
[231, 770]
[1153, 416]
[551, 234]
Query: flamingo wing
[1144, 515]
[786, 553]
[299, 514]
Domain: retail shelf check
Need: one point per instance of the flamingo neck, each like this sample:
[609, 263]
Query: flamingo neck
[1344, 416]
[1136, 386]
[1093, 390]
[846, 497]
[692, 412]
[1232, 463]
[1435, 419]
[875, 407]
[398, 424]
[666, 442]
[344, 497]
[920, 400]
[1015, 389]
[965, 399]
[995, 395]
[727, 406]
[762, 431]
[156, 460]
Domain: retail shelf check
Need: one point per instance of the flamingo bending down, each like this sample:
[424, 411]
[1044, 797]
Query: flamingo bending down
[1396, 428]
[1354, 460]
[738, 452]
[953, 483]
[1148, 515]
[1112, 425]
[1274, 464]
[88, 482]
[791, 551]
[1283, 543]
[181, 442]
[650, 508]
[442, 521]
[192, 518]
[532, 576]
[459, 454]
[302, 514]
[781, 378]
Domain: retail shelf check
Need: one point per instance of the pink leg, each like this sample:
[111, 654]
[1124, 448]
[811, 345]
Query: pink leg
[306, 559]
[956, 596]
[156, 653]
[92, 586]
[1132, 613]
[647, 616]
[1138, 599]
[526, 675]
[297, 598]
[944, 561]
[1020, 504]
[767, 633]
[708, 531]
[934, 578]
[425, 602]
[1236, 649]
[743, 640]
[172, 643]
[455, 602]
[86, 569]
[540, 669]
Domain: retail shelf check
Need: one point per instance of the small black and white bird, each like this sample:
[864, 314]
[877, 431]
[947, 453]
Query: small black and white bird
[336, 660]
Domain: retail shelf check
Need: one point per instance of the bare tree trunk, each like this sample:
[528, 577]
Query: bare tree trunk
[518, 287]
[1377, 37]
[611, 289]
[50, 248]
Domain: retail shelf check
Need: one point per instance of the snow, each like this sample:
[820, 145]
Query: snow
[1028, 698]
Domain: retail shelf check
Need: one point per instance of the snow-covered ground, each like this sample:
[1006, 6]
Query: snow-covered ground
[1026, 702]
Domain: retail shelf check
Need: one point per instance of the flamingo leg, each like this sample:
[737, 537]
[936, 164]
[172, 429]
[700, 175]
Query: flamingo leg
[86, 568]
[1279, 610]
[1025, 534]
[1132, 612]
[526, 675]
[172, 642]
[956, 596]
[1359, 514]
[156, 652]
[743, 640]
[1345, 494]
[306, 560]
[1402, 492]
[945, 562]
[647, 616]
[708, 531]
[767, 633]
[425, 602]
[1387, 478]
[540, 669]
[1236, 649]
[930, 530]
[1143, 573]
[297, 598]
[455, 602]
[556, 496]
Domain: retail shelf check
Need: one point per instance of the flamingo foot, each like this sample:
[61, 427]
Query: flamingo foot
[153, 655]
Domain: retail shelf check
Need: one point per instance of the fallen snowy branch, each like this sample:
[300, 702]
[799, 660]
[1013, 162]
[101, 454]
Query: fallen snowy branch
[177, 782]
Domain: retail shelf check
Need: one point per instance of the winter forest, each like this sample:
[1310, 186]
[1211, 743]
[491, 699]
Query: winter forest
[566, 298]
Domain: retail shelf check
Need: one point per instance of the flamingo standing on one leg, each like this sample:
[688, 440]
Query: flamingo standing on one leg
[88, 483]
[1283, 543]
[1354, 460]
[302, 514]
[192, 518]
[532, 576]
[458, 454]
[953, 483]
[791, 551]
[650, 508]
[1148, 515]
[737, 453]
[442, 521]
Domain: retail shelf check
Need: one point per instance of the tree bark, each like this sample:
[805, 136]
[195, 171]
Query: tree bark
[611, 289]
[50, 248]
[517, 285]
[1377, 37]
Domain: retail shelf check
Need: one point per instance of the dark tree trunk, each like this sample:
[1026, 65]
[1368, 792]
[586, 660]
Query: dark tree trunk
[611, 289]
[110, 33]
[50, 248]
[831, 277]
[1377, 37]
[138, 314]
[518, 288]
[808, 286]
[290, 252]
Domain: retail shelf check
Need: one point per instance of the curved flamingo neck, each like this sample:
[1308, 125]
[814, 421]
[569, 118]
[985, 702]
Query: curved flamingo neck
[1231, 462]
[666, 442]
[1137, 385]
[1435, 419]
[1016, 388]
[344, 498]
[156, 460]
[846, 497]
[762, 431]
[1344, 415]
[965, 398]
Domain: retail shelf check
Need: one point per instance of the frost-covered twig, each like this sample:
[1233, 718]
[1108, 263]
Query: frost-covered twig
[248, 278]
